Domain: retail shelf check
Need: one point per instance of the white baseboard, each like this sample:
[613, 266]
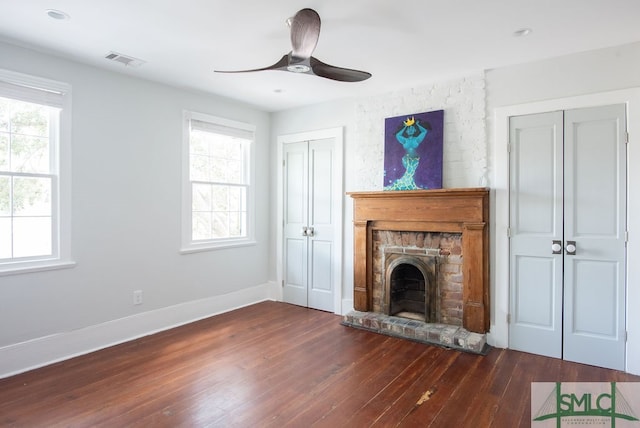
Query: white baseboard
[496, 340]
[25, 356]
[347, 306]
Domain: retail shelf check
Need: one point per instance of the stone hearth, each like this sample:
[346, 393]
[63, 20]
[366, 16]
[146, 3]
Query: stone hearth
[448, 336]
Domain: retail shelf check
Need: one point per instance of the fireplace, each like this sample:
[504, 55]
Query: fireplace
[436, 243]
[418, 275]
[408, 296]
[410, 289]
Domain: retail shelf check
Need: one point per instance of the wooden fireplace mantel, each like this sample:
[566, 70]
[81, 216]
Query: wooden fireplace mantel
[464, 211]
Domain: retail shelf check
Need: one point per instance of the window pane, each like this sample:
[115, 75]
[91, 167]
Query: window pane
[201, 222]
[5, 238]
[236, 198]
[220, 198]
[219, 170]
[234, 171]
[236, 224]
[234, 149]
[216, 158]
[4, 151]
[221, 147]
[219, 163]
[198, 144]
[220, 225]
[4, 114]
[201, 197]
[29, 154]
[30, 119]
[199, 168]
[5, 202]
[31, 236]
[31, 196]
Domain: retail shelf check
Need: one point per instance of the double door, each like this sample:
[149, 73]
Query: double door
[310, 223]
[568, 234]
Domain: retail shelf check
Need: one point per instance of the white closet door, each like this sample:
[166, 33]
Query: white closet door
[310, 223]
[321, 219]
[536, 185]
[296, 206]
[568, 186]
[595, 219]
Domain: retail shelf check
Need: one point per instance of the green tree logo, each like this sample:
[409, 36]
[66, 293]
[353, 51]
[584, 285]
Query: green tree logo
[610, 405]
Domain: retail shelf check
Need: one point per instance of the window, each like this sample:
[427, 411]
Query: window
[33, 232]
[217, 189]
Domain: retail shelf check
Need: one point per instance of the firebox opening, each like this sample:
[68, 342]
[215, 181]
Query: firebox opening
[408, 293]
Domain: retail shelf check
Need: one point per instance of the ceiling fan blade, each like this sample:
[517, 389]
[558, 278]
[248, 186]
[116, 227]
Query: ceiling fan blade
[321, 69]
[280, 65]
[305, 31]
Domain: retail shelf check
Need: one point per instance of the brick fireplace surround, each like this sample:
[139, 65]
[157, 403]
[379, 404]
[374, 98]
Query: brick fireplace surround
[424, 222]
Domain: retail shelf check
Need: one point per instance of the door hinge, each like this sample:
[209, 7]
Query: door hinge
[509, 147]
[508, 318]
[284, 163]
[626, 138]
[626, 335]
[626, 236]
[283, 282]
[508, 232]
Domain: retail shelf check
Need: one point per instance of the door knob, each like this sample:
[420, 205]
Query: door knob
[310, 231]
[571, 248]
[304, 231]
[556, 247]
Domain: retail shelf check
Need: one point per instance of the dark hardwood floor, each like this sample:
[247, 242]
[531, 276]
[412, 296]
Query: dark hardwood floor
[273, 365]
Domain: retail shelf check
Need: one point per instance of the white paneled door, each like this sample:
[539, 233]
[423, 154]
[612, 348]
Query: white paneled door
[568, 234]
[309, 223]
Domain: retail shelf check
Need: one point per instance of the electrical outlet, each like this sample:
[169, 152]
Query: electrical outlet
[137, 297]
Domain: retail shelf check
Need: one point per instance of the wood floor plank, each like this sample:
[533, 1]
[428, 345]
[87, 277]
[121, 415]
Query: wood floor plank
[396, 401]
[430, 400]
[275, 365]
[356, 383]
[517, 398]
[297, 380]
[336, 409]
[470, 394]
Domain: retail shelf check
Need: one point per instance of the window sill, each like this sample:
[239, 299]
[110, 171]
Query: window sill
[30, 267]
[216, 246]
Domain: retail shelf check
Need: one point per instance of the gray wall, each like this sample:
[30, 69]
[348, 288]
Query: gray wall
[126, 207]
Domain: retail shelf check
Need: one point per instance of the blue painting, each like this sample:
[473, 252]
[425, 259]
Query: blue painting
[413, 151]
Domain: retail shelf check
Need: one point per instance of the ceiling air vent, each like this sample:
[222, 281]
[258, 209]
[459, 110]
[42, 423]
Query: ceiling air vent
[129, 61]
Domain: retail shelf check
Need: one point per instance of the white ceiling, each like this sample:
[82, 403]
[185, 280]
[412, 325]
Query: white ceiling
[402, 43]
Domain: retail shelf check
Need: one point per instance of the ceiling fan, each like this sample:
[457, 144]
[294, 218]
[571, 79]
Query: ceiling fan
[305, 31]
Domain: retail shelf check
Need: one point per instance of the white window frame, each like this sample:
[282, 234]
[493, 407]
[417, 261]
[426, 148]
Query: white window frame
[188, 244]
[56, 94]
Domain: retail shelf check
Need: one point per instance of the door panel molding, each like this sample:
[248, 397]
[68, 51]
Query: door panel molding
[524, 269]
